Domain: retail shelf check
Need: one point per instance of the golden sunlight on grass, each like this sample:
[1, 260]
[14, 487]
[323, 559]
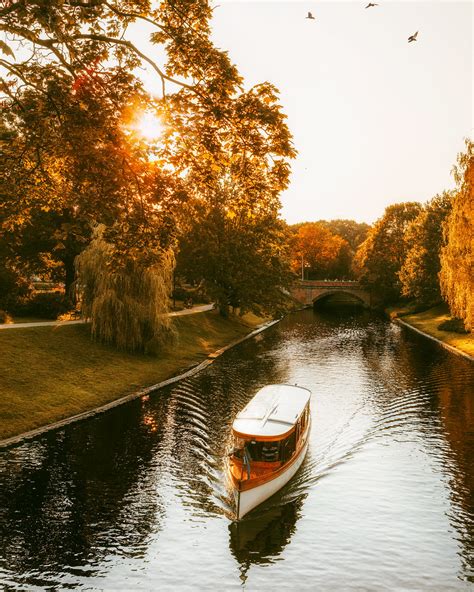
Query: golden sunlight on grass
[429, 321]
[67, 373]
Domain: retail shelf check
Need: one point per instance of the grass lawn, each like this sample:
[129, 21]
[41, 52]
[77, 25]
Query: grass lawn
[50, 373]
[428, 322]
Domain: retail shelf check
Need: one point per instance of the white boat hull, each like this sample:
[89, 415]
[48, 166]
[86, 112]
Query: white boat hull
[250, 498]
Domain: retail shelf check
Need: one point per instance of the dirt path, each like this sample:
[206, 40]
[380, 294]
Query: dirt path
[178, 313]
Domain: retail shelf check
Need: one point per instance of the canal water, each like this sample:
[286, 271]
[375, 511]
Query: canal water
[136, 499]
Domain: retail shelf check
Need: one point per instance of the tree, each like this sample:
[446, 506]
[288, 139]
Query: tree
[125, 299]
[61, 174]
[457, 256]
[212, 126]
[13, 284]
[320, 253]
[353, 232]
[424, 239]
[381, 256]
[238, 253]
[66, 147]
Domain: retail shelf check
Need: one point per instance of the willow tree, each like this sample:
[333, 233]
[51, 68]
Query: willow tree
[457, 256]
[126, 299]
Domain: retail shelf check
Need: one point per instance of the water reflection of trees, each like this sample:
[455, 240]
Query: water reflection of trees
[73, 498]
[68, 498]
[264, 534]
[412, 366]
[449, 380]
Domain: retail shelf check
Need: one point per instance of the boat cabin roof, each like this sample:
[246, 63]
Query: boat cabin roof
[273, 411]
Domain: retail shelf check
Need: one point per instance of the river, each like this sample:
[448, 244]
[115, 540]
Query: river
[136, 499]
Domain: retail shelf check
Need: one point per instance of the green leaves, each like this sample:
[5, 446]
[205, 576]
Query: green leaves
[424, 239]
[238, 249]
[380, 257]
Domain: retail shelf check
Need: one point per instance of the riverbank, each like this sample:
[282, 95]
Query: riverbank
[428, 321]
[49, 373]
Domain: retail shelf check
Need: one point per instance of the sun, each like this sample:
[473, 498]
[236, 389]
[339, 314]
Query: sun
[149, 126]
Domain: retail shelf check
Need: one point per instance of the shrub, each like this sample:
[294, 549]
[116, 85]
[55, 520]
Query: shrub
[454, 325]
[4, 318]
[196, 294]
[13, 287]
[47, 305]
[180, 293]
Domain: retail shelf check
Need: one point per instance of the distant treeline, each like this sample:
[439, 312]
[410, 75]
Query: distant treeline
[418, 252]
[325, 249]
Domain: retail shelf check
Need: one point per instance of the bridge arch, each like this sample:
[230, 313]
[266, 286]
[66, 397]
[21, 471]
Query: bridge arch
[340, 296]
[309, 292]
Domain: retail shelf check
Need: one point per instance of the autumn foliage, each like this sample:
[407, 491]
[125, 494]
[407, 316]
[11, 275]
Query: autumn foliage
[457, 256]
[380, 257]
[424, 239]
[70, 162]
[317, 253]
[425, 253]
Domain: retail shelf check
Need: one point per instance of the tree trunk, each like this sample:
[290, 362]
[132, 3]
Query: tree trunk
[70, 276]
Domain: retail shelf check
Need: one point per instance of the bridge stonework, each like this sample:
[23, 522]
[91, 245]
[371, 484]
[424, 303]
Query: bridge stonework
[310, 291]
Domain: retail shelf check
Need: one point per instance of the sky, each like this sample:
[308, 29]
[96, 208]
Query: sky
[376, 120]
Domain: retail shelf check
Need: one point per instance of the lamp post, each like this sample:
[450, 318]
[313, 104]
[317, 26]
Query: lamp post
[304, 265]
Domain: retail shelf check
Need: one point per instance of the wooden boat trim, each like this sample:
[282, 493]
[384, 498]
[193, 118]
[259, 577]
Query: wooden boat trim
[266, 438]
[251, 483]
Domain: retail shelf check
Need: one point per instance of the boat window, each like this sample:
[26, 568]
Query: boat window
[266, 451]
[288, 447]
[270, 451]
[253, 449]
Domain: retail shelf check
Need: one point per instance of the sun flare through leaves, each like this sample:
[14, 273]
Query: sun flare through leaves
[149, 126]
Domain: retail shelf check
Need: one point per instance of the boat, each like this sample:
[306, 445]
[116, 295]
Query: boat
[270, 439]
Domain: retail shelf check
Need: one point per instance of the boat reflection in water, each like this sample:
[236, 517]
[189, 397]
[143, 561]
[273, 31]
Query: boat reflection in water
[263, 537]
[270, 442]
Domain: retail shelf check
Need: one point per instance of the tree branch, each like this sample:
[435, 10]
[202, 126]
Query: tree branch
[134, 49]
[10, 8]
[47, 43]
[134, 15]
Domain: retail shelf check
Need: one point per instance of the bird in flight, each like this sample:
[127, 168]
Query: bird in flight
[412, 37]
[310, 16]
[371, 4]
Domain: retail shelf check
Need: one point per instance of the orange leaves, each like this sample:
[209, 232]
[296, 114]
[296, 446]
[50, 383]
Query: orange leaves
[324, 252]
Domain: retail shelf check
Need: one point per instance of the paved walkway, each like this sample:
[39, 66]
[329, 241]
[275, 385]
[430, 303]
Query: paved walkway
[178, 313]
[192, 310]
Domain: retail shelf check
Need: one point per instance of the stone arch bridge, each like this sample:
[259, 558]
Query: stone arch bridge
[310, 291]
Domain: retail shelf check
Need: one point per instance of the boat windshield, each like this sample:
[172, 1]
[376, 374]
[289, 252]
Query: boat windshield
[255, 450]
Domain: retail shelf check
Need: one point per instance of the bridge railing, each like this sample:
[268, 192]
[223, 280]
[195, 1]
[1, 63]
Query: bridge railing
[330, 283]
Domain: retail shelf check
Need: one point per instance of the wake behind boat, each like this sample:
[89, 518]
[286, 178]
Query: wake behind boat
[270, 440]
